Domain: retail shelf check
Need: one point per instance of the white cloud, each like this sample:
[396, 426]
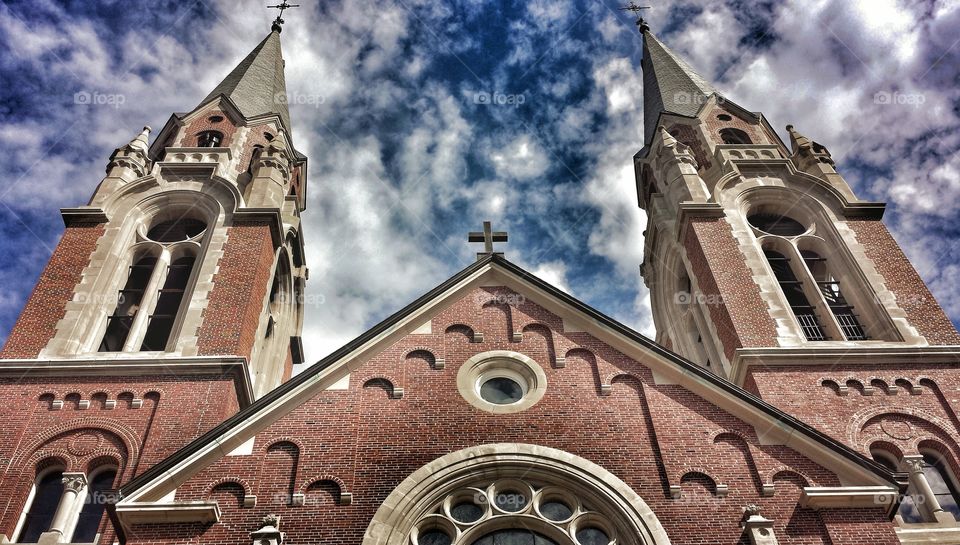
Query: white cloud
[521, 158]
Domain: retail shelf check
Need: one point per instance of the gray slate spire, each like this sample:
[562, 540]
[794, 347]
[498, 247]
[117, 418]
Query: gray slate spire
[669, 85]
[257, 85]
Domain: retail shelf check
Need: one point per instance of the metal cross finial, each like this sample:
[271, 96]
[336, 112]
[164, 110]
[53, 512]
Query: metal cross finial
[488, 236]
[278, 22]
[641, 22]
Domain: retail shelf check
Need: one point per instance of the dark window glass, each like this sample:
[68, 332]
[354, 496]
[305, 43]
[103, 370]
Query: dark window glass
[95, 503]
[592, 536]
[168, 303]
[943, 488]
[209, 139]
[555, 510]
[254, 156]
[128, 303]
[734, 136]
[433, 537]
[44, 506]
[908, 507]
[501, 391]
[514, 537]
[466, 512]
[796, 298]
[776, 224]
[176, 230]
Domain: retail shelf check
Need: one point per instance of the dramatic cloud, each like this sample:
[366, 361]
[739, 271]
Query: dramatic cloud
[423, 118]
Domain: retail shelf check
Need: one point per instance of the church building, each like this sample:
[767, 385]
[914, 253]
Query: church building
[803, 387]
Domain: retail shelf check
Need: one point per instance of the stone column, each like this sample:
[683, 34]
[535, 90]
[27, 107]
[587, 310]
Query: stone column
[74, 484]
[914, 465]
[757, 528]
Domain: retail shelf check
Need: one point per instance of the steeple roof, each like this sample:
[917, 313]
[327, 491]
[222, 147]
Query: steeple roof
[669, 85]
[257, 85]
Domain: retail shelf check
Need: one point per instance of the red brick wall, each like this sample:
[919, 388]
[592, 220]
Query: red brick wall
[202, 123]
[47, 303]
[714, 125]
[232, 315]
[923, 311]
[905, 418]
[738, 312]
[650, 436]
[174, 411]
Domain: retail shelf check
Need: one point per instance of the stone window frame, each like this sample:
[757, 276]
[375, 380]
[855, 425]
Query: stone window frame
[421, 493]
[507, 363]
[821, 236]
[72, 501]
[155, 209]
[527, 517]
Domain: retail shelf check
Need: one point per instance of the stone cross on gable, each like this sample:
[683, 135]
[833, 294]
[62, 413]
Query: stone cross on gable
[488, 236]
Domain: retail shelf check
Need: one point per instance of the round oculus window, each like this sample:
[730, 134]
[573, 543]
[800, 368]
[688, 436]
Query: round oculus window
[501, 390]
[501, 381]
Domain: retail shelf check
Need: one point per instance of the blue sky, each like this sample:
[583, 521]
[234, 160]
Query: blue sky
[423, 118]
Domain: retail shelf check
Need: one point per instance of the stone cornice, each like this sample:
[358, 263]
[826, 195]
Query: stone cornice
[180, 366]
[845, 497]
[882, 353]
[83, 214]
[689, 210]
[270, 215]
[152, 513]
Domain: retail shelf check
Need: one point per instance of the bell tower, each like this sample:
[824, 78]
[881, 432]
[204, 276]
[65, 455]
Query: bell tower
[190, 247]
[756, 248]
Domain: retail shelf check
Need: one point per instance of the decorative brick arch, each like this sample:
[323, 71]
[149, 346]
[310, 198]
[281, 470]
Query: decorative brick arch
[861, 418]
[127, 436]
[247, 489]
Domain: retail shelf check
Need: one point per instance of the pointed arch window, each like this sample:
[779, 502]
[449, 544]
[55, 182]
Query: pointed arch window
[830, 289]
[792, 289]
[155, 294]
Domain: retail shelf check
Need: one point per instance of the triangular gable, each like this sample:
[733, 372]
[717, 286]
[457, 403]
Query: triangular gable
[772, 425]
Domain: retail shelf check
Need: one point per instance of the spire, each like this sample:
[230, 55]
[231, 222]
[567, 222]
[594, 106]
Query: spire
[669, 84]
[257, 85]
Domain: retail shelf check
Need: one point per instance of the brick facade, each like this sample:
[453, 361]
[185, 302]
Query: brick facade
[739, 314]
[232, 315]
[364, 441]
[901, 278]
[81, 423]
[48, 301]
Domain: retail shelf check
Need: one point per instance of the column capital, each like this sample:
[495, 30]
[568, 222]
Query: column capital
[74, 482]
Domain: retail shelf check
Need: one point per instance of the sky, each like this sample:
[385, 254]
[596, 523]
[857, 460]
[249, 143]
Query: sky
[423, 118]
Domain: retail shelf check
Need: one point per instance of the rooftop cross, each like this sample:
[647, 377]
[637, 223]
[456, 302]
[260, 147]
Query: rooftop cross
[641, 23]
[278, 22]
[488, 236]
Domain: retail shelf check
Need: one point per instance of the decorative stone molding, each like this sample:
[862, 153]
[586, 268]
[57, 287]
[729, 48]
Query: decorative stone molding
[397, 393]
[477, 337]
[297, 500]
[517, 336]
[831, 497]
[675, 491]
[110, 404]
[83, 404]
[346, 498]
[56, 405]
[722, 490]
[269, 532]
[411, 500]
[249, 501]
[767, 490]
[560, 362]
[152, 513]
[439, 363]
[757, 528]
[136, 403]
[606, 389]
